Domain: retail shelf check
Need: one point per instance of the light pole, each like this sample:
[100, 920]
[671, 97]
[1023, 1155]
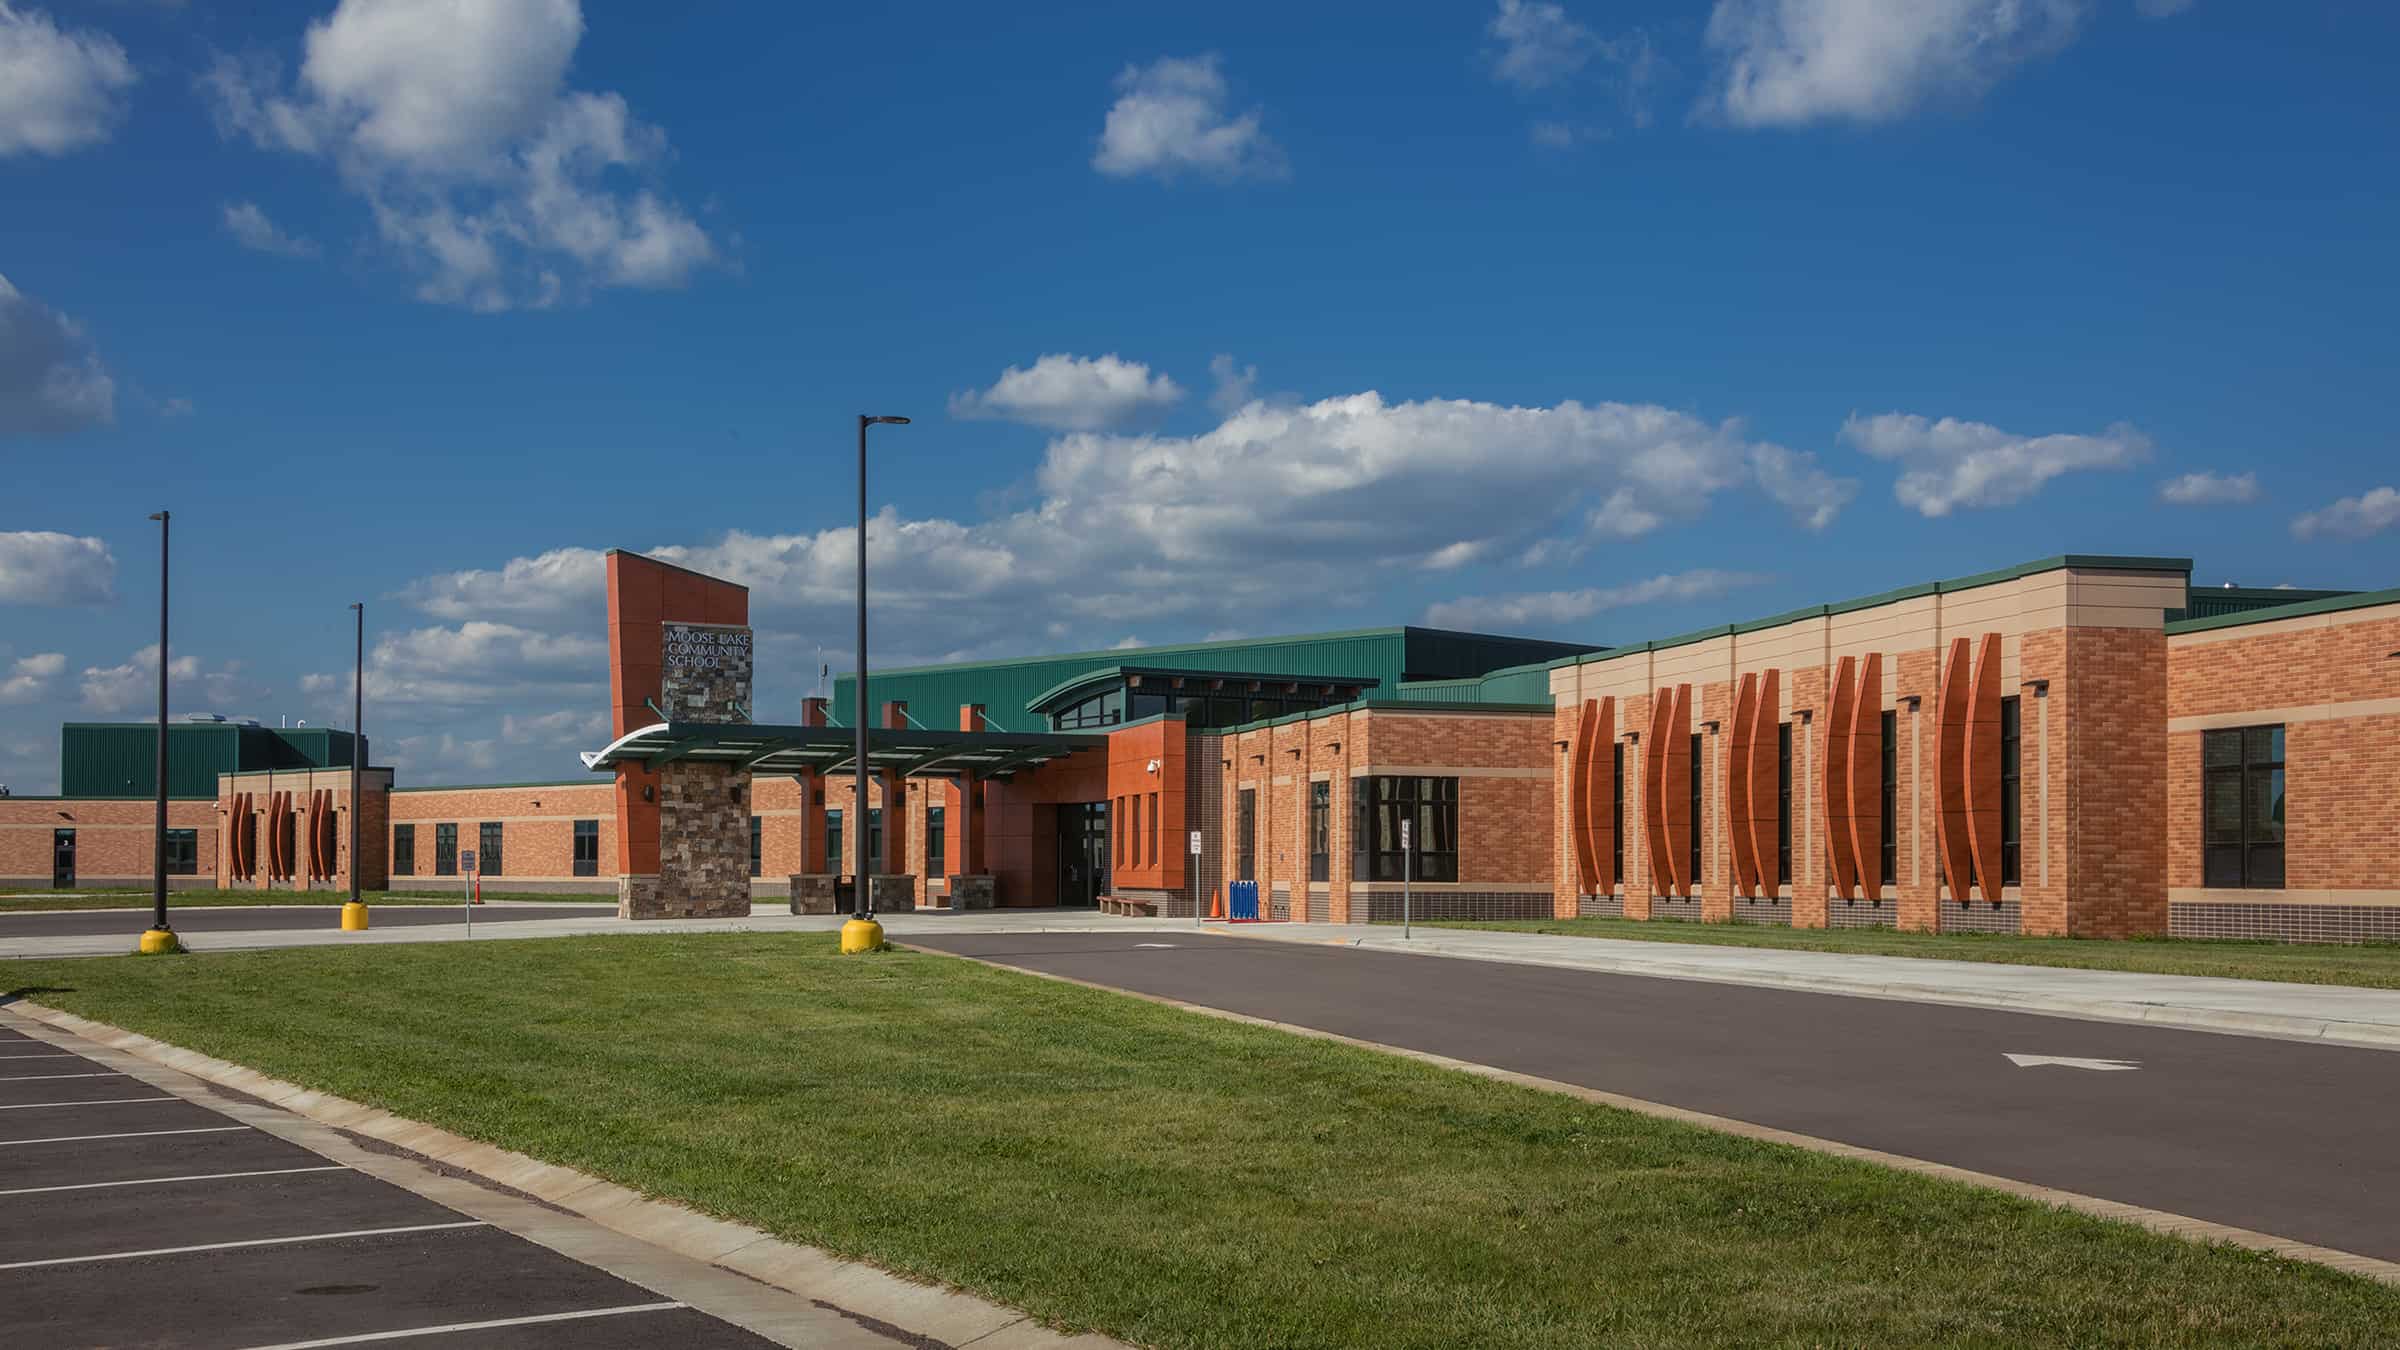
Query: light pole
[862, 933]
[160, 938]
[354, 914]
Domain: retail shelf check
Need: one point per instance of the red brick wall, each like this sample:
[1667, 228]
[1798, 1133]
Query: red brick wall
[114, 840]
[2114, 705]
[537, 830]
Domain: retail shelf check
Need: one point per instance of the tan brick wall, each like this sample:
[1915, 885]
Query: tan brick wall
[537, 825]
[2115, 703]
[114, 840]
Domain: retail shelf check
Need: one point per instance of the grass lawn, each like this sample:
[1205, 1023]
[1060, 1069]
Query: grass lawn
[28, 902]
[2374, 965]
[1178, 1180]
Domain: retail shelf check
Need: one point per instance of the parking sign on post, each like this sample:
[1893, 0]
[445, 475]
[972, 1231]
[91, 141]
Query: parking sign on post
[466, 868]
[1194, 879]
[1407, 874]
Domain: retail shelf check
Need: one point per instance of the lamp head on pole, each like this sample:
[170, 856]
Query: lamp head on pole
[888, 421]
[158, 515]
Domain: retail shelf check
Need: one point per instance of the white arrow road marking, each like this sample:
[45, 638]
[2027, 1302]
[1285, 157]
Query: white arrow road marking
[2071, 1062]
[1154, 944]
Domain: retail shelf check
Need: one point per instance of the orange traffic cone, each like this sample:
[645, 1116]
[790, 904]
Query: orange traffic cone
[1216, 904]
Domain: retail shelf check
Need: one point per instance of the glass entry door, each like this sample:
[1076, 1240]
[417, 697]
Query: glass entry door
[62, 859]
[1082, 852]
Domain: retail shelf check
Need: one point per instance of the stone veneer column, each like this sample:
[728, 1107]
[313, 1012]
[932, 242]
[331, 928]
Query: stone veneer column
[704, 847]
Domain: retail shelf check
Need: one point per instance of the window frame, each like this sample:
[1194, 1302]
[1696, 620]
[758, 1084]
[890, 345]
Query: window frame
[1245, 833]
[404, 850]
[1783, 804]
[491, 848]
[2250, 854]
[1889, 864]
[445, 849]
[585, 830]
[1699, 776]
[1320, 829]
[2012, 790]
[1431, 802]
[1616, 863]
[833, 840]
[183, 853]
[937, 841]
[758, 845]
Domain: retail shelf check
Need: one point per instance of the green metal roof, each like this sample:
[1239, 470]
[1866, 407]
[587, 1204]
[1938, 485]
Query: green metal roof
[2084, 562]
[1543, 709]
[1069, 690]
[120, 759]
[1387, 656]
[2323, 604]
[2215, 601]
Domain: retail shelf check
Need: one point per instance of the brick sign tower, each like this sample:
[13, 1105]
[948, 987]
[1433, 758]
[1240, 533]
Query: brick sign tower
[679, 643]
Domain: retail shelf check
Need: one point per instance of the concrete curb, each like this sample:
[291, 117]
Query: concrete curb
[939, 1316]
[2360, 1035]
[2156, 1220]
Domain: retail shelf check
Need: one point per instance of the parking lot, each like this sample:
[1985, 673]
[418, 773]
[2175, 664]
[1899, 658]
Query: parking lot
[131, 1215]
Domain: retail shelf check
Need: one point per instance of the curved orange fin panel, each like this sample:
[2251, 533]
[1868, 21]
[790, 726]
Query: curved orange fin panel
[1866, 775]
[1579, 799]
[1680, 769]
[1833, 780]
[1735, 827]
[1601, 791]
[1950, 768]
[1983, 766]
[1654, 792]
[1766, 808]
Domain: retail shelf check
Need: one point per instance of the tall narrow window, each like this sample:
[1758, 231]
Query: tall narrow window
[833, 840]
[872, 860]
[1616, 807]
[1891, 799]
[1245, 832]
[445, 850]
[404, 850]
[488, 839]
[2011, 826]
[1699, 827]
[937, 841]
[757, 845]
[1154, 829]
[587, 848]
[1783, 803]
[1320, 831]
[2241, 807]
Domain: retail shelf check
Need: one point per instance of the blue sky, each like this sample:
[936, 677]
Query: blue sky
[1584, 320]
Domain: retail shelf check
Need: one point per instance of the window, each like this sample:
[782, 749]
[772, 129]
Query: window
[937, 841]
[1783, 803]
[1100, 710]
[587, 848]
[445, 850]
[757, 846]
[2011, 827]
[2241, 807]
[1379, 804]
[404, 850]
[183, 853]
[1891, 799]
[833, 841]
[1154, 829]
[1616, 862]
[1246, 831]
[1699, 827]
[873, 862]
[488, 840]
[1320, 831]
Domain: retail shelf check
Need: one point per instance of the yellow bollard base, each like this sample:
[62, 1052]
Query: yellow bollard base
[861, 935]
[159, 942]
[354, 917]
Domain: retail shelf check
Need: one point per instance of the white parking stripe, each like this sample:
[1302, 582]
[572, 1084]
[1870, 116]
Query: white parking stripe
[473, 1326]
[230, 1246]
[128, 1134]
[161, 1181]
[105, 1101]
[47, 1077]
[47, 1054]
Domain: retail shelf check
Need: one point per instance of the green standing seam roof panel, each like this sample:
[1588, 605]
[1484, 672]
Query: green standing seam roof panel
[120, 759]
[1006, 688]
[2324, 604]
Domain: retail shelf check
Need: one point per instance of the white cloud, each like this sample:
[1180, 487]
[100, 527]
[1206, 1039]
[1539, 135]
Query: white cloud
[1170, 118]
[2161, 9]
[250, 228]
[485, 174]
[29, 677]
[1235, 384]
[1949, 463]
[1450, 556]
[1071, 393]
[2353, 517]
[175, 407]
[1793, 62]
[1548, 609]
[1813, 496]
[565, 726]
[44, 567]
[563, 580]
[480, 662]
[1539, 45]
[2209, 488]
[134, 684]
[60, 90]
[51, 381]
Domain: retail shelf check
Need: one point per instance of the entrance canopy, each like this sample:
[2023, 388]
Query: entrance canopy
[908, 752]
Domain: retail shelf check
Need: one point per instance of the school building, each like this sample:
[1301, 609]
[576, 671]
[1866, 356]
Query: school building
[2082, 745]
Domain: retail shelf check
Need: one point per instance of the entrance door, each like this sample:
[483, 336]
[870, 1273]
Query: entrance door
[62, 859]
[1082, 852]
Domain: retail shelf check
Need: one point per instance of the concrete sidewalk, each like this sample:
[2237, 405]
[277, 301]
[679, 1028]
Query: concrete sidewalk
[2335, 1014]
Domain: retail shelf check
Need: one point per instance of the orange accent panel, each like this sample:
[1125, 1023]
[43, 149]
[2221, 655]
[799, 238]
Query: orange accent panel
[1950, 769]
[1736, 823]
[1866, 776]
[1678, 792]
[1766, 808]
[1983, 766]
[726, 603]
[684, 598]
[1600, 791]
[1833, 780]
[1654, 782]
[1580, 806]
